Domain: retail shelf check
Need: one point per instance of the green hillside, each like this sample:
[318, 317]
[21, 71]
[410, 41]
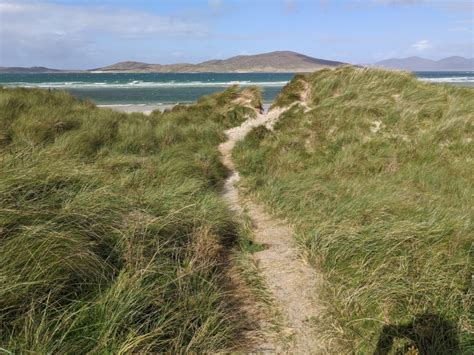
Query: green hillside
[377, 179]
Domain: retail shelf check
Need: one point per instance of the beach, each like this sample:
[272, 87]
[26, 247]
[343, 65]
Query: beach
[148, 109]
[141, 108]
[145, 92]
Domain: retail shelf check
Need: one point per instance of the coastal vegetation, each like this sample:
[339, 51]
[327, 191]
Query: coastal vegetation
[375, 173]
[113, 235]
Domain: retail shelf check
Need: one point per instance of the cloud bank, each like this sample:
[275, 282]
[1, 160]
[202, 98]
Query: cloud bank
[54, 31]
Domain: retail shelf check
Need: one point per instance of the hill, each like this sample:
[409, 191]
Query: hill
[28, 70]
[373, 169]
[421, 64]
[280, 61]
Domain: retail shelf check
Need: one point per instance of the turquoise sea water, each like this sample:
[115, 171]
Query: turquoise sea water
[166, 88]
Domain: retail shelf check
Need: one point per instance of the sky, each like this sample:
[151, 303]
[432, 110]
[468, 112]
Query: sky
[75, 34]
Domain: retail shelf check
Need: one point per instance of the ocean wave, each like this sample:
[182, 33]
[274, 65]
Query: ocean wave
[459, 79]
[143, 84]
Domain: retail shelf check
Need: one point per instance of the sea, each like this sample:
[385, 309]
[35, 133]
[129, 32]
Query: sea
[170, 88]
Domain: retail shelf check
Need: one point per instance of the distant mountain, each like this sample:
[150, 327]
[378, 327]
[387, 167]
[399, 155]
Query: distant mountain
[422, 64]
[28, 70]
[273, 62]
[281, 61]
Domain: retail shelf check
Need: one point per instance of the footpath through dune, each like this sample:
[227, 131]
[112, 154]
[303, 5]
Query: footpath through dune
[292, 283]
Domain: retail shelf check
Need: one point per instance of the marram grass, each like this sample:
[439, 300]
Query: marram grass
[112, 229]
[377, 179]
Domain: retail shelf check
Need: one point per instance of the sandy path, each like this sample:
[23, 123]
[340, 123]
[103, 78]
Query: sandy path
[290, 280]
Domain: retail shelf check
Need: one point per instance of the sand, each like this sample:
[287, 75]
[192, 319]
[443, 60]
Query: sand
[293, 284]
[142, 108]
[148, 108]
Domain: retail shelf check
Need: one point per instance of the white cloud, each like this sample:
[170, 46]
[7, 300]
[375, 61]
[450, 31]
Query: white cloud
[36, 18]
[47, 30]
[421, 45]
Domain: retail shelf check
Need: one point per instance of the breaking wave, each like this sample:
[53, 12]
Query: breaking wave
[450, 79]
[144, 84]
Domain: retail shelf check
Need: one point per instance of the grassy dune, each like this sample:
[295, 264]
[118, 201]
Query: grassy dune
[378, 181]
[112, 231]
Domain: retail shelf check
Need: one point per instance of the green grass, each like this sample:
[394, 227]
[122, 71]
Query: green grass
[378, 181]
[113, 235]
[293, 91]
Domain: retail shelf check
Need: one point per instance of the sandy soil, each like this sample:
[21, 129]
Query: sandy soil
[293, 284]
[146, 109]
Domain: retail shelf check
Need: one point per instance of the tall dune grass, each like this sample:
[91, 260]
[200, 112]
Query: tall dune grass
[378, 181]
[112, 230]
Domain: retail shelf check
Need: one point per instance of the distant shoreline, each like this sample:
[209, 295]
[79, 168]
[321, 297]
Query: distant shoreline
[271, 62]
[140, 108]
[149, 108]
[276, 71]
[148, 92]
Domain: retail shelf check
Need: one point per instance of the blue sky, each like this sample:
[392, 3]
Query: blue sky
[86, 34]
